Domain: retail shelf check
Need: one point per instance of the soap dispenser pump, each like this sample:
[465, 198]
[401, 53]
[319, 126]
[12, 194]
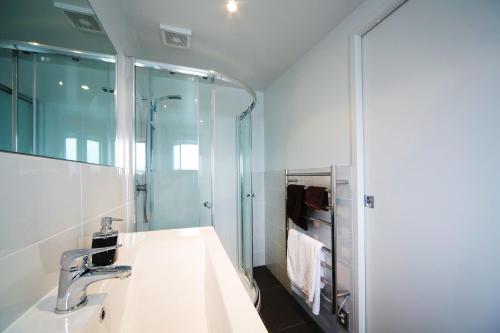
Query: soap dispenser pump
[103, 238]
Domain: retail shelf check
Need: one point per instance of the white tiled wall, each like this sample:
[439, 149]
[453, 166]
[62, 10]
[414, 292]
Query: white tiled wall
[48, 206]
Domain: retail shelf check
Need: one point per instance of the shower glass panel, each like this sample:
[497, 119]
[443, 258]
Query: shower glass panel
[246, 194]
[173, 129]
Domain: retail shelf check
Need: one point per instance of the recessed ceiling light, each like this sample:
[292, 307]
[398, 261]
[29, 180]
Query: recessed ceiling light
[232, 6]
[60, 83]
[85, 87]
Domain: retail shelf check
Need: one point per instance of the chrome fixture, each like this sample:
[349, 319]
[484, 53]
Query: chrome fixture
[76, 275]
[333, 182]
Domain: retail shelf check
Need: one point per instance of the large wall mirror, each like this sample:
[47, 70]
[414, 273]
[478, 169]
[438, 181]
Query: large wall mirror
[57, 81]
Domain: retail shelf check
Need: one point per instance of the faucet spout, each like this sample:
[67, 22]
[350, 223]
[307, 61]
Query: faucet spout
[76, 276]
[93, 275]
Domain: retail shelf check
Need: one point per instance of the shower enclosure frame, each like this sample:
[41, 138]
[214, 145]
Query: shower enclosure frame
[200, 73]
[214, 77]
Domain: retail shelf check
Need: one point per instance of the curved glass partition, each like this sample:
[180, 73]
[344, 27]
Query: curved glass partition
[189, 124]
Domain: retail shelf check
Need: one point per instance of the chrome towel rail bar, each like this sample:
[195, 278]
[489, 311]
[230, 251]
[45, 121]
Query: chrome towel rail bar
[324, 248]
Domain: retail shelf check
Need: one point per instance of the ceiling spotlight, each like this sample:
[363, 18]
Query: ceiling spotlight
[85, 87]
[232, 6]
[60, 83]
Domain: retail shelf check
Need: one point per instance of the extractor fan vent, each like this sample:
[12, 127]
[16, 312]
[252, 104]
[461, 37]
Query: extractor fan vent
[176, 37]
[80, 18]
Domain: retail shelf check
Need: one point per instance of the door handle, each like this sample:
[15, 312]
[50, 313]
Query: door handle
[144, 188]
[207, 204]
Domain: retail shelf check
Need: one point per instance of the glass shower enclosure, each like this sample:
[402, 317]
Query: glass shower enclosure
[173, 130]
[174, 133]
[246, 194]
[245, 205]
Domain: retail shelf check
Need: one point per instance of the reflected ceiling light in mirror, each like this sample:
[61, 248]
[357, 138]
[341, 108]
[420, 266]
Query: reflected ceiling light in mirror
[84, 87]
[232, 6]
[34, 43]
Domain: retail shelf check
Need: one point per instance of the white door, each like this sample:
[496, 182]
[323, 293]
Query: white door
[431, 90]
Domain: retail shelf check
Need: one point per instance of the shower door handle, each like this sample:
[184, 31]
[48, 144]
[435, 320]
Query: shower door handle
[207, 204]
[144, 188]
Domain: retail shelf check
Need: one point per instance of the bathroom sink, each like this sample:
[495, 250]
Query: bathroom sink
[182, 281]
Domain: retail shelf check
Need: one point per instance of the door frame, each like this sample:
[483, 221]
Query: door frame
[357, 156]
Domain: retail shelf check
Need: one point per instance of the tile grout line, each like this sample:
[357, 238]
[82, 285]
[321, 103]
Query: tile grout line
[39, 241]
[79, 225]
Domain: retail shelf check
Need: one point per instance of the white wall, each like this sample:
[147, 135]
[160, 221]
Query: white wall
[307, 125]
[307, 122]
[48, 206]
[431, 130]
[230, 102]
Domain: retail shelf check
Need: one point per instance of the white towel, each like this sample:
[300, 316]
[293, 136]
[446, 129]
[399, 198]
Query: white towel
[304, 268]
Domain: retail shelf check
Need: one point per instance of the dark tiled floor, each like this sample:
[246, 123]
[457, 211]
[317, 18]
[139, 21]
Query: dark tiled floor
[279, 311]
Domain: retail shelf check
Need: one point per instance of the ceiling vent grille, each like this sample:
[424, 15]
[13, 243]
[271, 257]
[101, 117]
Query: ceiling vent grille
[81, 18]
[176, 37]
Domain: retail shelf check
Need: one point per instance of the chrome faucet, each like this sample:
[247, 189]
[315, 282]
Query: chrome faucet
[77, 274]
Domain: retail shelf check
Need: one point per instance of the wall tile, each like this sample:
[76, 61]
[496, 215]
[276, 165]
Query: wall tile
[30, 273]
[39, 197]
[41, 213]
[103, 189]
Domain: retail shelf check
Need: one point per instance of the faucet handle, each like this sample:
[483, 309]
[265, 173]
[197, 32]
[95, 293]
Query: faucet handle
[78, 258]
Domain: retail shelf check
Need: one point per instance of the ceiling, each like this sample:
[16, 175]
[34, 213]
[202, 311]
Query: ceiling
[255, 45]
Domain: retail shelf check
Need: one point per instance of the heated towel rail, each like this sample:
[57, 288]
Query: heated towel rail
[332, 174]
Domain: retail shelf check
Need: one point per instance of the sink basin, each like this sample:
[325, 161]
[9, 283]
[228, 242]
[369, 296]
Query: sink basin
[182, 281]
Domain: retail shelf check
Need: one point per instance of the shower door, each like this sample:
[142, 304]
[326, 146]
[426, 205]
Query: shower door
[246, 194]
[173, 148]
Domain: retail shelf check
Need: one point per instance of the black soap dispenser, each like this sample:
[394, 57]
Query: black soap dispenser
[103, 238]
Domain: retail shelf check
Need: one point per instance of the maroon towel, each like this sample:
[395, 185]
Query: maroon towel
[295, 203]
[316, 197]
